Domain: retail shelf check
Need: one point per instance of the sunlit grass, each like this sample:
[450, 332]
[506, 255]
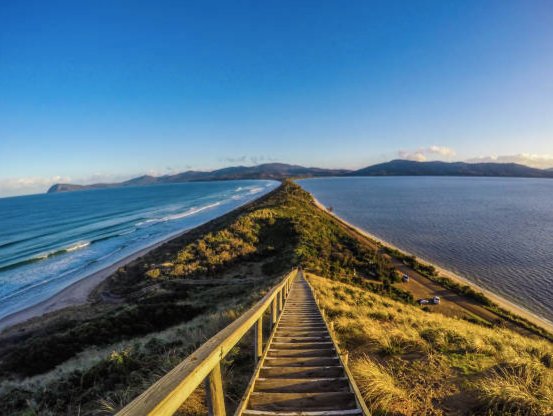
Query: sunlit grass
[407, 361]
[379, 387]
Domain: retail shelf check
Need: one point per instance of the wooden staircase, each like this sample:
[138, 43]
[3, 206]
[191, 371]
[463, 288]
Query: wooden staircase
[301, 371]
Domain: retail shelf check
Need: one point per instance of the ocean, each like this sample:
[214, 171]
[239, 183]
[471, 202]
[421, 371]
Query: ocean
[49, 241]
[495, 232]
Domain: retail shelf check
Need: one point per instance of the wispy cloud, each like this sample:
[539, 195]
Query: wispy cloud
[249, 159]
[28, 185]
[423, 154]
[168, 170]
[540, 161]
[35, 185]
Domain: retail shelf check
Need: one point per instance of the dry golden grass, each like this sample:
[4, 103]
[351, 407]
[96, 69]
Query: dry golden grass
[379, 388]
[407, 361]
[518, 389]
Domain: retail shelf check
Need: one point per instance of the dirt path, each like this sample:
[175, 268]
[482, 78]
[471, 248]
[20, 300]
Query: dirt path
[451, 303]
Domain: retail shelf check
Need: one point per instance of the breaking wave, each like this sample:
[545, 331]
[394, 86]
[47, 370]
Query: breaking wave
[179, 215]
[43, 256]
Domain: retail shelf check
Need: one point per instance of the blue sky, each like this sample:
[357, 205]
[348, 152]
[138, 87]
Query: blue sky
[105, 90]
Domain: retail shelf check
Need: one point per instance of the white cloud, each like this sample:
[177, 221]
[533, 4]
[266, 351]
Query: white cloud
[246, 159]
[540, 161]
[427, 153]
[37, 185]
[28, 185]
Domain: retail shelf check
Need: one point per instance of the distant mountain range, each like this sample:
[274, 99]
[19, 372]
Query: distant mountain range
[412, 168]
[279, 171]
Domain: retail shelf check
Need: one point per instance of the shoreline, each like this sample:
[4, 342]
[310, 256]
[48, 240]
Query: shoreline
[78, 293]
[497, 299]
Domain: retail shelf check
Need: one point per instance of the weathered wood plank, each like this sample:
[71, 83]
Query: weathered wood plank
[258, 339]
[215, 393]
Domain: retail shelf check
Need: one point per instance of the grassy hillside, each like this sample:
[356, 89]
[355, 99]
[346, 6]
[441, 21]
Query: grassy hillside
[149, 315]
[154, 312]
[408, 361]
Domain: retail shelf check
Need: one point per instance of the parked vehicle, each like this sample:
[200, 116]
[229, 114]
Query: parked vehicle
[436, 300]
[423, 301]
[405, 277]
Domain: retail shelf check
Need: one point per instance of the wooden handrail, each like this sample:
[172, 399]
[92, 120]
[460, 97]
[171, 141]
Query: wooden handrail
[166, 395]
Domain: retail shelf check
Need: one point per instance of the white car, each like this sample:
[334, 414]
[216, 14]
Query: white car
[436, 300]
[423, 301]
[405, 277]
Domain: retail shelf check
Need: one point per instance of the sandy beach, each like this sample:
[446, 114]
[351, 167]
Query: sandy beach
[499, 300]
[78, 292]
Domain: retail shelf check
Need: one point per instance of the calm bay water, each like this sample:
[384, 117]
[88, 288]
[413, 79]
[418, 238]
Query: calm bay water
[496, 232]
[48, 242]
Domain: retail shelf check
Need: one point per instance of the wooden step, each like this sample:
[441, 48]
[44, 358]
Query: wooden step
[301, 361]
[302, 401]
[300, 321]
[301, 385]
[292, 339]
[302, 318]
[301, 372]
[302, 345]
[352, 412]
[301, 353]
[303, 326]
[297, 332]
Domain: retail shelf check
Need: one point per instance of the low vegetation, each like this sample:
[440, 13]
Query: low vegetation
[149, 315]
[409, 362]
[288, 227]
[155, 311]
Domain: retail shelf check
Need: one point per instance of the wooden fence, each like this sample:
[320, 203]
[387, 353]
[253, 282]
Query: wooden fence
[169, 393]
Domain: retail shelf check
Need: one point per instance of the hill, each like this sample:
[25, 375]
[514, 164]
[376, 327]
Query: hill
[276, 171]
[463, 356]
[413, 168]
[280, 171]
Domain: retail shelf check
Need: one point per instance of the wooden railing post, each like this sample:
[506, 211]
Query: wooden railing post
[280, 301]
[345, 357]
[258, 339]
[215, 393]
[273, 312]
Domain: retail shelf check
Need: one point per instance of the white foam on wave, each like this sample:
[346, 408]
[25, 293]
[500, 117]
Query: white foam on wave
[77, 246]
[179, 215]
[255, 190]
[73, 247]
[191, 211]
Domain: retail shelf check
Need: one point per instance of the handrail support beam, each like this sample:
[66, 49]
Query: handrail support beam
[215, 393]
